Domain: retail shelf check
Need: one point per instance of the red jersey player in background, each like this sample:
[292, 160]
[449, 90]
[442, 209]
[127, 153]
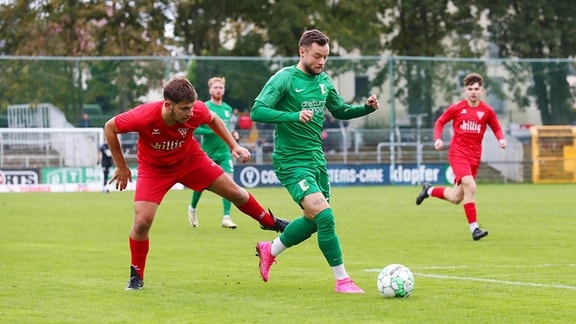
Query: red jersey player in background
[470, 118]
[169, 154]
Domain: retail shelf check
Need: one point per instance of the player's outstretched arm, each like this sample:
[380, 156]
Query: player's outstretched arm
[263, 113]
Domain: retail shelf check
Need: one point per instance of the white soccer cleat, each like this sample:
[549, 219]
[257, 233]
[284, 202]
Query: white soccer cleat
[192, 217]
[228, 223]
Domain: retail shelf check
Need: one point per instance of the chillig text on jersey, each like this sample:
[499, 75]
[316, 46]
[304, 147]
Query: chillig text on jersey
[167, 146]
[471, 126]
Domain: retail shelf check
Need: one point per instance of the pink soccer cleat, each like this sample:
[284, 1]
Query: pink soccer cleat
[347, 286]
[263, 251]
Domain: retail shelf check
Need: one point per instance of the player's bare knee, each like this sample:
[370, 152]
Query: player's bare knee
[457, 201]
[141, 228]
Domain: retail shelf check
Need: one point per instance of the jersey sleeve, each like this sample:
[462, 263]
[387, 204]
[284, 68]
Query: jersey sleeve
[201, 110]
[495, 125]
[341, 110]
[264, 105]
[127, 121]
[441, 121]
[202, 129]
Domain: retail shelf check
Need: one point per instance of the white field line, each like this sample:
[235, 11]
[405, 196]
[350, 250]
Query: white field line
[505, 282]
[450, 267]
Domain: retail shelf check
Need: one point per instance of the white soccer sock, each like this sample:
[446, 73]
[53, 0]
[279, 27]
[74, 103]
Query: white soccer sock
[473, 226]
[429, 192]
[277, 247]
[340, 272]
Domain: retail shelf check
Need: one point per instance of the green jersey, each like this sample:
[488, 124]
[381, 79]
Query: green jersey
[212, 144]
[288, 92]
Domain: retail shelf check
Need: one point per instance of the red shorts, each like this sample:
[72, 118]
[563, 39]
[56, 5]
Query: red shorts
[462, 168]
[152, 183]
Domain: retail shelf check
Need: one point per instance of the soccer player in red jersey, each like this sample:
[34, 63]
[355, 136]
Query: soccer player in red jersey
[469, 118]
[169, 154]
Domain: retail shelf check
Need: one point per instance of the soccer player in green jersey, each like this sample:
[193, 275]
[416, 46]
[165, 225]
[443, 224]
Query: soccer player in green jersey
[294, 100]
[216, 148]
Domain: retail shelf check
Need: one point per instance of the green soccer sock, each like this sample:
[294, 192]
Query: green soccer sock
[195, 198]
[299, 230]
[327, 238]
[227, 205]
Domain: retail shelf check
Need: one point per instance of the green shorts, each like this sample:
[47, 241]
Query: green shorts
[225, 162]
[303, 180]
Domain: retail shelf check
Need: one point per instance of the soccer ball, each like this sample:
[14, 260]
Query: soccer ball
[395, 280]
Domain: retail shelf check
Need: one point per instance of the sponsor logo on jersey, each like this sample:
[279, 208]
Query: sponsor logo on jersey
[317, 106]
[167, 145]
[183, 131]
[471, 126]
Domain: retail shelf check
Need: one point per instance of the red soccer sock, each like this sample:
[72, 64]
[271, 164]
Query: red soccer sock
[253, 209]
[438, 192]
[138, 253]
[470, 210]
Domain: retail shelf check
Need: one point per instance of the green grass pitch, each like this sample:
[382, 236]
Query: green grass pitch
[64, 259]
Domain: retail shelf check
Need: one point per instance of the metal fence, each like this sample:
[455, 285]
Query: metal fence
[46, 148]
[411, 89]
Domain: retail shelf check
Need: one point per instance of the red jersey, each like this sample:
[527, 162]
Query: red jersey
[161, 145]
[469, 124]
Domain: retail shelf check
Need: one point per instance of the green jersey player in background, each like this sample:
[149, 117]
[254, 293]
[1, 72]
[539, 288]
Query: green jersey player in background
[294, 100]
[216, 148]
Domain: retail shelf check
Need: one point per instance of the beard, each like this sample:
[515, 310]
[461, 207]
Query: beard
[310, 70]
[176, 119]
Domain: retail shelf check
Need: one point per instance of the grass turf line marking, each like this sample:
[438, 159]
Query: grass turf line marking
[506, 282]
[545, 265]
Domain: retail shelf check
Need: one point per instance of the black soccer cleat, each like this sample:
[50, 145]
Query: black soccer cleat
[478, 234]
[135, 283]
[424, 193]
[279, 224]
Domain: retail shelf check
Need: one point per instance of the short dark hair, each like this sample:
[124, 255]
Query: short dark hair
[313, 36]
[179, 89]
[473, 78]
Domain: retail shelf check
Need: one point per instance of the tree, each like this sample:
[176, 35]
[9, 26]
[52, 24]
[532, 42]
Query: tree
[253, 27]
[82, 28]
[537, 29]
[428, 28]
